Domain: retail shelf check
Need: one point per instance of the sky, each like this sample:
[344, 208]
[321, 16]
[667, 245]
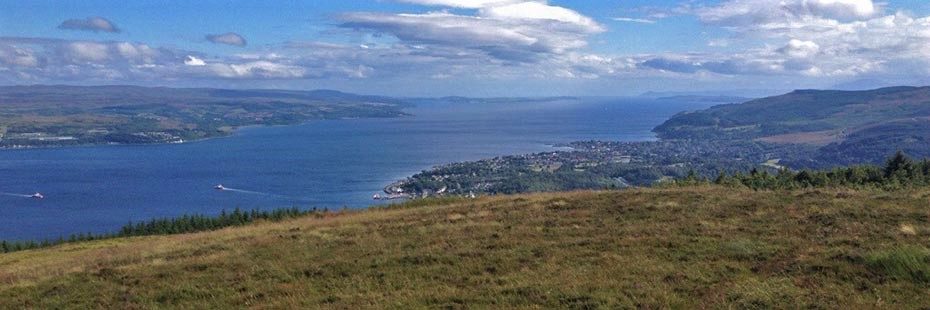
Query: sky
[477, 48]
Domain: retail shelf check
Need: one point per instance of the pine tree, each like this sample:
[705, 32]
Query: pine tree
[898, 164]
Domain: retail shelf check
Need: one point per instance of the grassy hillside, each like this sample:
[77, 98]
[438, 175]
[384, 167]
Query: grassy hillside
[700, 246]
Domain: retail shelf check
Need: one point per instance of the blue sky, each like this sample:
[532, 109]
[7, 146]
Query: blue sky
[470, 47]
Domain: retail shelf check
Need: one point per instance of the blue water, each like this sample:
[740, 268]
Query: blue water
[319, 164]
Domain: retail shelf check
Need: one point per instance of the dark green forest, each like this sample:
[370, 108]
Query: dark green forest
[169, 226]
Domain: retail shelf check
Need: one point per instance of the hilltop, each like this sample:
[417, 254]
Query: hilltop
[679, 247]
[847, 127]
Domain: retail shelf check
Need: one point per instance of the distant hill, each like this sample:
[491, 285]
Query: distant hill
[61, 115]
[37, 96]
[848, 126]
[716, 247]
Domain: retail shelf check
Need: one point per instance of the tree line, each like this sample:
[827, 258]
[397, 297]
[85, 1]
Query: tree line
[899, 172]
[167, 226]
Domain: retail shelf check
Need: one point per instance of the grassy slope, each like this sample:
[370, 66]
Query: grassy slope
[651, 247]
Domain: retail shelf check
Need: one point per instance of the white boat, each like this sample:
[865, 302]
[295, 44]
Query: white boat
[219, 187]
[37, 196]
[389, 196]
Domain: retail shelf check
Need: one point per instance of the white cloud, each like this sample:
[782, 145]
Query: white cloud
[841, 8]
[780, 41]
[257, 69]
[194, 61]
[15, 56]
[89, 51]
[767, 12]
[834, 38]
[138, 53]
[541, 11]
[800, 49]
[513, 31]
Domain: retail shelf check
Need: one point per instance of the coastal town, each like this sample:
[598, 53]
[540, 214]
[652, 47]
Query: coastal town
[594, 164]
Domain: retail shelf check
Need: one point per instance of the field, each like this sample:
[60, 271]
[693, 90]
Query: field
[654, 248]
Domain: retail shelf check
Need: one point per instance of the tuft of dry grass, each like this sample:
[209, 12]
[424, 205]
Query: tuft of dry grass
[647, 248]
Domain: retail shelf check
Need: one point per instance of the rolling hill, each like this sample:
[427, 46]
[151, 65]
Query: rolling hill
[692, 247]
[848, 126]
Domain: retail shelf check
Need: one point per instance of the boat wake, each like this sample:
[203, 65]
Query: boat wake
[242, 191]
[248, 192]
[16, 195]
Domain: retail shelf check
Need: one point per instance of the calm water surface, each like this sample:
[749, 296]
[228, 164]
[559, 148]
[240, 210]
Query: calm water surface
[319, 164]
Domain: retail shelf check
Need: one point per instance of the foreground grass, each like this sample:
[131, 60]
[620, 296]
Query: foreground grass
[689, 247]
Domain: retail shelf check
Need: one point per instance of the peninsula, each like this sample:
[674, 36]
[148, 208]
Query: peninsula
[58, 115]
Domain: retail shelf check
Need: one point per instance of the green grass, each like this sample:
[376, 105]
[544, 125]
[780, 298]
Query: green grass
[902, 263]
[700, 247]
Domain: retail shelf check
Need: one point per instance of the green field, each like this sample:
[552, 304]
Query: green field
[687, 247]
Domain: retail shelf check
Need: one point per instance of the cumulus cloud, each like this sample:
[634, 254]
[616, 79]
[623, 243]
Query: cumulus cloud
[833, 38]
[95, 24]
[540, 11]
[57, 60]
[800, 49]
[194, 61]
[514, 31]
[519, 40]
[229, 38]
[765, 12]
[256, 69]
[15, 56]
[88, 51]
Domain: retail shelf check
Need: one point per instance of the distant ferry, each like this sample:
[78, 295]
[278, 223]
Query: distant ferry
[219, 187]
[37, 196]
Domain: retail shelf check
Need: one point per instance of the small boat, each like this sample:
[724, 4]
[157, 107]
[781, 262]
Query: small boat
[389, 196]
[37, 196]
[219, 187]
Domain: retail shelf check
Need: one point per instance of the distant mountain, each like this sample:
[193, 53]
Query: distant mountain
[848, 126]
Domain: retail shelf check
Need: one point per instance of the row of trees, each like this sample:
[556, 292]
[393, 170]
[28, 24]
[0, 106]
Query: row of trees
[899, 172]
[166, 226]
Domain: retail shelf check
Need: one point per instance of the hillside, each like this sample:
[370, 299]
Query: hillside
[848, 126]
[700, 246]
[58, 115]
